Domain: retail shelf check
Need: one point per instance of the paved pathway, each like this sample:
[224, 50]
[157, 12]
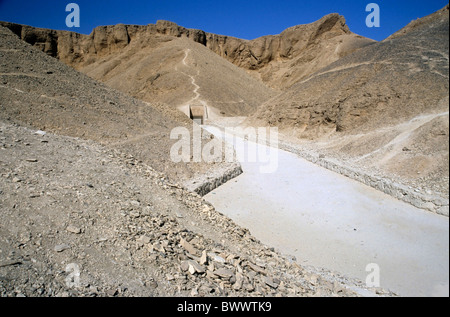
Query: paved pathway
[327, 220]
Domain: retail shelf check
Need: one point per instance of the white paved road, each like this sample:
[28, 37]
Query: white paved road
[327, 220]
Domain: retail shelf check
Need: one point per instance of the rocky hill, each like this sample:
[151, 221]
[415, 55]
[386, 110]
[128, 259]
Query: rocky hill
[41, 92]
[79, 219]
[180, 72]
[283, 59]
[155, 63]
[128, 57]
[384, 107]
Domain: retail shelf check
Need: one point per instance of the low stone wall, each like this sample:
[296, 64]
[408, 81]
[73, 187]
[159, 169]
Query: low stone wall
[206, 183]
[431, 203]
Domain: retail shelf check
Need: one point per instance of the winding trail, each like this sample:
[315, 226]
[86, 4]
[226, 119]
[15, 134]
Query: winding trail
[197, 87]
[197, 97]
[327, 220]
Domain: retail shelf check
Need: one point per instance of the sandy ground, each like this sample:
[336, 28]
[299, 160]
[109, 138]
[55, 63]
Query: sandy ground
[327, 220]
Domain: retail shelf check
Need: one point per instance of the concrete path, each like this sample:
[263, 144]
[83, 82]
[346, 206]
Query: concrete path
[327, 220]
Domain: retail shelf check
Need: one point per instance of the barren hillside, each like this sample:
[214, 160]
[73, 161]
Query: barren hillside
[86, 179]
[41, 92]
[150, 62]
[375, 105]
[384, 107]
[155, 63]
[96, 215]
[282, 60]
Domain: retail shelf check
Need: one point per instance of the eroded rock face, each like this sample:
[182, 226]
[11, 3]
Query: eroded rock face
[103, 40]
[44, 39]
[78, 50]
[258, 53]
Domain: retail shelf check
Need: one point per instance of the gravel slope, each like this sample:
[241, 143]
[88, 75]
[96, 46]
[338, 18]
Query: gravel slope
[39, 91]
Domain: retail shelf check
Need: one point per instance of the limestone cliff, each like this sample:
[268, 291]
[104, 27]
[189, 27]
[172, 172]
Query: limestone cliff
[279, 60]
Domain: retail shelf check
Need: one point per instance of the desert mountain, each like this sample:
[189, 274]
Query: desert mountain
[92, 191]
[282, 60]
[180, 72]
[167, 63]
[385, 106]
[155, 63]
[83, 214]
[39, 91]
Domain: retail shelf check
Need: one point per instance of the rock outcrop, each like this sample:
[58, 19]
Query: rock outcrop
[81, 220]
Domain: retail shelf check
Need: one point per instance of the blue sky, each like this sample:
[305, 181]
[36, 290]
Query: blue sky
[247, 19]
